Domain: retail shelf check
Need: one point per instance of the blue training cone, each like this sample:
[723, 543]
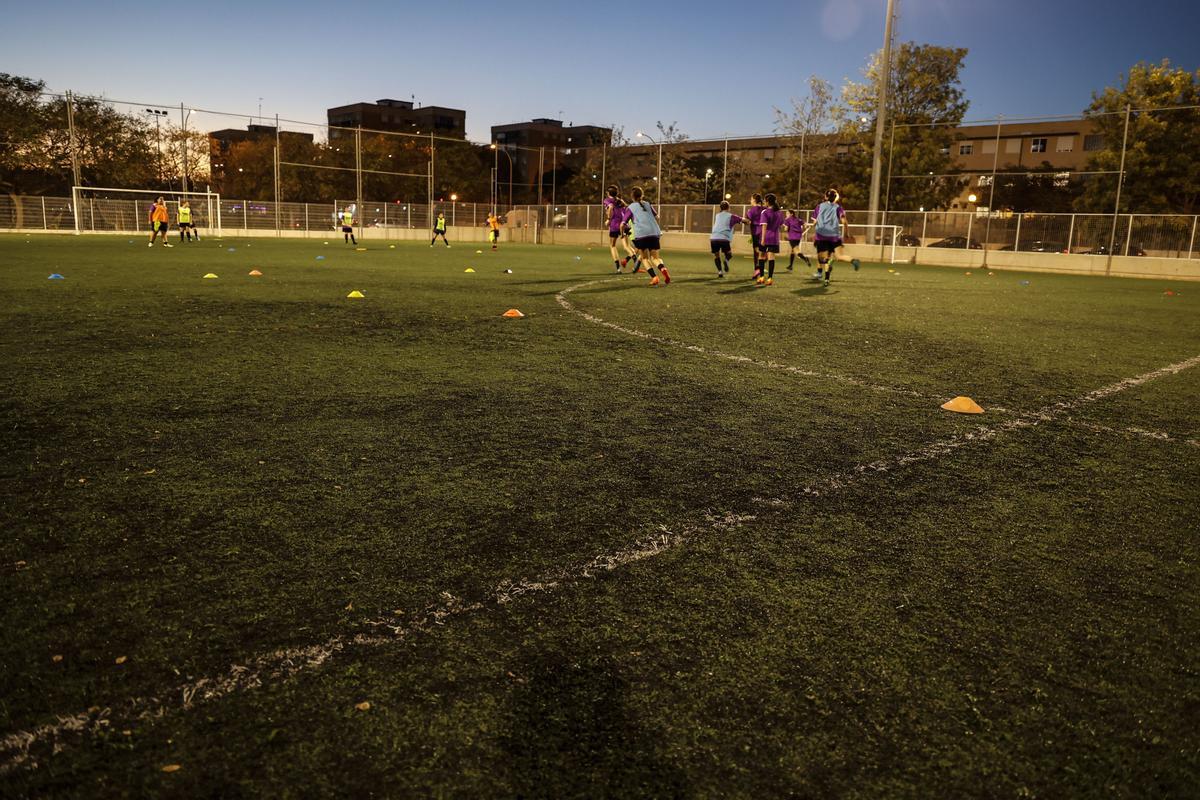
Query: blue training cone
[56, 277]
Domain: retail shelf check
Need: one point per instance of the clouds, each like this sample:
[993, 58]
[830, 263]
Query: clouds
[841, 19]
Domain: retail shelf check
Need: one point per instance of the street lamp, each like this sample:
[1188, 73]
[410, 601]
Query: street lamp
[708, 173]
[158, 114]
[183, 140]
[658, 180]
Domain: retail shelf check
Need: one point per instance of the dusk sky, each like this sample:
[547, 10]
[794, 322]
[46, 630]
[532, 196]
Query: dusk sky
[715, 67]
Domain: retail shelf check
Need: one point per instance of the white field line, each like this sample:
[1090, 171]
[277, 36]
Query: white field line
[988, 433]
[1158, 436]
[561, 297]
[279, 665]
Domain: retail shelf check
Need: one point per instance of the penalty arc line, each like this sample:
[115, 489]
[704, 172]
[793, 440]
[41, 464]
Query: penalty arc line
[567, 305]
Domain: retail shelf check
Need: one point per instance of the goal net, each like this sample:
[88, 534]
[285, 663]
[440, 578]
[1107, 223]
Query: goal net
[100, 209]
[885, 237]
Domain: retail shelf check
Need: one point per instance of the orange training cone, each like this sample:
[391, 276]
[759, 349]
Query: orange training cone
[254, 272]
[963, 405]
[512, 313]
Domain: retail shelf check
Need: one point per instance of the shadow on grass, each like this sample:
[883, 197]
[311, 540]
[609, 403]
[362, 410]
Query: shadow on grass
[815, 291]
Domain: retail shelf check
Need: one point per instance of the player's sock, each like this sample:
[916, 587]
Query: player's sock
[650, 271]
[717, 261]
[791, 261]
[771, 268]
[804, 258]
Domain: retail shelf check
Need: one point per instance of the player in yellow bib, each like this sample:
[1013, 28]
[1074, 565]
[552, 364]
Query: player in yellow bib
[439, 229]
[183, 219]
[158, 222]
[347, 218]
[493, 222]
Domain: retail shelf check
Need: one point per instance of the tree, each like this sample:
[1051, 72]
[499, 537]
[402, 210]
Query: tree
[680, 182]
[813, 165]
[24, 161]
[927, 98]
[1044, 189]
[1162, 159]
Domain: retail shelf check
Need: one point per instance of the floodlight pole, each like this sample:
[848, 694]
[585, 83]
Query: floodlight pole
[885, 77]
[71, 133]
[358, 177]
[1112, 236]
[278, 231]
[987, 234]
[183, 141]
[725, 170]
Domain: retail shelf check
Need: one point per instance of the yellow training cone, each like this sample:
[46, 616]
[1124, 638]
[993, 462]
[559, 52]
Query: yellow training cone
[210, 275]
[468, 269]
[356, 293]
[512, 313]
[963, 405]
[254, 272]
[361, 249]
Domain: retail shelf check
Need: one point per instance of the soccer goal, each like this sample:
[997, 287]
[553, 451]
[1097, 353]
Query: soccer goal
[100, 209]
[885, 237]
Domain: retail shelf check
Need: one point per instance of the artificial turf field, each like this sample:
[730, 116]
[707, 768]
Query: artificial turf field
[744, 554]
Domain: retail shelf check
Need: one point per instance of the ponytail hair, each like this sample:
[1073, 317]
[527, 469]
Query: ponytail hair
[612, 191]
[832, 196]
[772, 201]
[757, 198]
[637, 194]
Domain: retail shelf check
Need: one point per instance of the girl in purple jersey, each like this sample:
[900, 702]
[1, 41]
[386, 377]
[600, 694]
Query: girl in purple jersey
[795, 235]
[614, 210]
[770, 220]
[752, 216]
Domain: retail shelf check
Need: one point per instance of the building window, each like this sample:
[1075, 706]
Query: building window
[842, 151]
[989, 146]
[1037, 145]
[966, 148]
[768, 155]
[944, 150]
[1012, 145]
[1064, 144]
[1093, 141]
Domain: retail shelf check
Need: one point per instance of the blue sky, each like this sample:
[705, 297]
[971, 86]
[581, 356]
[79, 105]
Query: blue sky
[716, 68]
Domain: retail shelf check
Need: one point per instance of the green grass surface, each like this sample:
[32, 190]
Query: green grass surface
[198, 473]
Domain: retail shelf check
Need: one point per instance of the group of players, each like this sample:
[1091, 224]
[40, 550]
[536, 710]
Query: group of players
[633, 228]
[160, 222]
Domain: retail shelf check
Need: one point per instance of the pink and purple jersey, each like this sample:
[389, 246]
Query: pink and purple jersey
[795, 228]
[770, 219]
[753, 216]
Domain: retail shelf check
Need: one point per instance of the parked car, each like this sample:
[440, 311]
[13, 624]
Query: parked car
[1039, 247]
[959, 242]
[1102, 250]
[904, 240]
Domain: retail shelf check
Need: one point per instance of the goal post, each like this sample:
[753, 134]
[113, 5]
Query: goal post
[885, 237]
[113, 209]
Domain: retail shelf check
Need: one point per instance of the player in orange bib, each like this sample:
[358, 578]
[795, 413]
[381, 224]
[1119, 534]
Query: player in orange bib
[158, 222]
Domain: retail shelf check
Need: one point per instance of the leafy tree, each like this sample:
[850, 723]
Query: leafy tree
[926, 95]
[1043, 189]
[1162, 160]
[24, 160]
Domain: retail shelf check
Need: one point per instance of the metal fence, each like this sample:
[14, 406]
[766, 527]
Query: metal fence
[1162, 235]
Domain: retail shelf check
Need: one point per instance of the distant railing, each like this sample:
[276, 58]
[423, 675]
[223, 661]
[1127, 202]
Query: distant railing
[1160, 235]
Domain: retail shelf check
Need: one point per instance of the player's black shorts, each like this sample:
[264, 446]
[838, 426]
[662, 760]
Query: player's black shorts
[647, 243]
[770, 248]
[828, 246]
[183, 225]
[495, 235]
[614, 235]
[754, 241]
[795, 242]
[347, 229]
[721, 246]
[160, 226]
[626, 230]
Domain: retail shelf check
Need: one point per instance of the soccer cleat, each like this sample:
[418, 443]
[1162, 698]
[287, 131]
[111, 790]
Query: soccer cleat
[167, 245]
[827, 281]
[804, 258]
[856, 263]
[760, 280]
[666, 276]
[770, 281]
[654, 281]
[151, 244]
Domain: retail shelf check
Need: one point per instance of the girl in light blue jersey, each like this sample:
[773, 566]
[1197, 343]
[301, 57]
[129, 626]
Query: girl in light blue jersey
[647, 237]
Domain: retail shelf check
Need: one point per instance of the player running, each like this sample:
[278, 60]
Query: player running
[439, 229]
[493, 222]
[770, 221]
[795, 234]
[647, 236]
[721, 241]
[614, 215]
[184, 222]
[829, 226]
[347, 219]
[752, 216]
[158, 222]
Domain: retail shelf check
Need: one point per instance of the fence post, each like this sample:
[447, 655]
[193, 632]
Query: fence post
[408, 208]
[1071, 234]
[587, 221]
[1112, 237]
[1017, 240]
[306, 231]
[970, 220]
[685, 217]
[245, 216]
[45, 227]
[567, 221]
[1192, 241]
[1129, 234]
[924, 226]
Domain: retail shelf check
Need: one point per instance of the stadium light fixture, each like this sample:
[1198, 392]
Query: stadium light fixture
[453, 198]
[971, 198]
[658, 180]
